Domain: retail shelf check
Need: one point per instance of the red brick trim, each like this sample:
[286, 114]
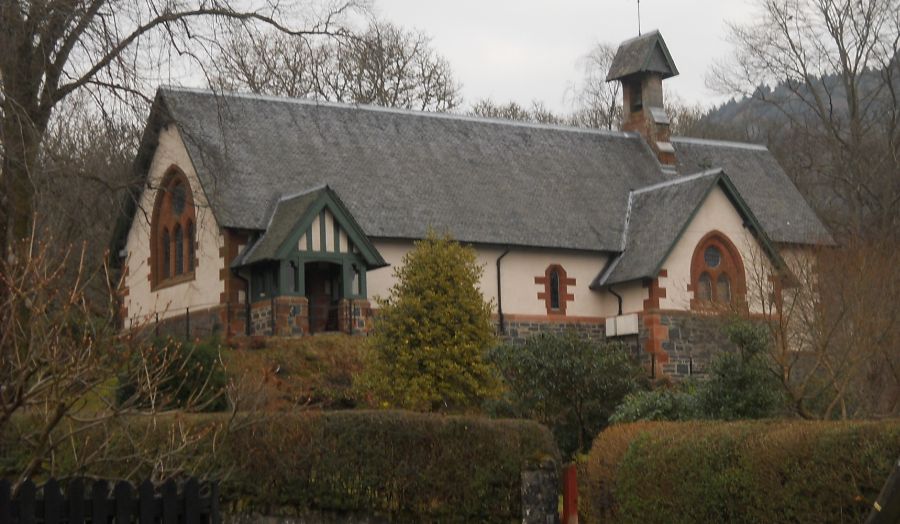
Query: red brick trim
[656, 291]
[164, 218]
[731, 265]
[232, 240]
[657, 333]
[564, 295]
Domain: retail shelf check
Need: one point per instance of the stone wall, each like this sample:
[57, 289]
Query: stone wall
[518, 331]
[202, 323]
[683, 344]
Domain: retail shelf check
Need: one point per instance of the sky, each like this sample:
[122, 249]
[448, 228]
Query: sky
[524, 50]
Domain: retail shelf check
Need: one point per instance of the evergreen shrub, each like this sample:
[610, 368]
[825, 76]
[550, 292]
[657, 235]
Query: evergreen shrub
[748, 471]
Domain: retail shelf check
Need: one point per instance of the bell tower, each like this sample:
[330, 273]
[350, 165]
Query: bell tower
[641, 64]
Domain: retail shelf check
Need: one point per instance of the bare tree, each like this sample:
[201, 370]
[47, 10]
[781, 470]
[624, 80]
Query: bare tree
[833, 70]
[50, 49]
[538, 113]
[384, 65]
[834, 330]
[597, 102]
[63, 366]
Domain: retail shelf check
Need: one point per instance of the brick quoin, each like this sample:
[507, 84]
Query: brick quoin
[657, 333]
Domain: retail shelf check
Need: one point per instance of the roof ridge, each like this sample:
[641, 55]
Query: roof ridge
[720, 143]
[402, 111]
[679, 180]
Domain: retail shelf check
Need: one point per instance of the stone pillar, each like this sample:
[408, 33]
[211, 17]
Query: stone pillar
[261, 318]
[361, 317]
[540, 495]
[292, 316]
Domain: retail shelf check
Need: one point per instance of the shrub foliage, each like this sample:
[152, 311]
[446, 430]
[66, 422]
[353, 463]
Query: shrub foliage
[408, 466]
[762, 471]
[433, 331]
[568, 382]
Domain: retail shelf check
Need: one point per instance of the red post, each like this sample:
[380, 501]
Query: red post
[570, 495]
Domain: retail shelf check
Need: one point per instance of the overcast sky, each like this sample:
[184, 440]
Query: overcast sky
[526, 50]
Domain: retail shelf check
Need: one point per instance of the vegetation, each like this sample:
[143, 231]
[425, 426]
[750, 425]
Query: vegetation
[786, 471]
[568, 382]
[196, 378]
[60, 356]
[741, 385]
[432, 332]
[408, 466]
[281, 374]
[668, 402]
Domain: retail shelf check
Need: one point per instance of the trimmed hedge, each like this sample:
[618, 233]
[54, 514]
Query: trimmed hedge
[409, 466]
[765, 471]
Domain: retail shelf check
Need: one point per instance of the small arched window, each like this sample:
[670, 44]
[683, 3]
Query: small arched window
[179, 250]
[172, 230]
[723, 288]
[704, 287]
[557, 289]
[190, 246]
[717, 272]
[166, 254]
[554, 289]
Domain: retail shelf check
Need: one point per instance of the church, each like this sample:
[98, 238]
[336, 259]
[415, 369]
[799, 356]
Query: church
[264, 216]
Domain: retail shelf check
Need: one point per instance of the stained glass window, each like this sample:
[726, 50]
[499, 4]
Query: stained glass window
[166, 254]
[179, 250]
[723, 288]
[704, 287]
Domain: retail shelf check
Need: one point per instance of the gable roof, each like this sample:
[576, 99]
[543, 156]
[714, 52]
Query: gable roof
[293, 214]
[642, 54]
[657, 217]
[484, 181]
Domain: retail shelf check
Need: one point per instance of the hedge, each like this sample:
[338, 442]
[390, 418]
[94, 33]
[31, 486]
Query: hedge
[407, 466]
[761, 471]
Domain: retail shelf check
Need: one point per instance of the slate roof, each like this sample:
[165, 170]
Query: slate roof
[645, 53]
[399, 172]
[656, 218]
[288, 211]
[775, 200]
[485, 181]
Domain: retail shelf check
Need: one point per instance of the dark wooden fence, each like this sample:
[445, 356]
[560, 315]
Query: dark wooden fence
[104, 503]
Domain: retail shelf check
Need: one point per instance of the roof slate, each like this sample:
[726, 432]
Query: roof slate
[657, 216]
[401, 172]
[288, 211]
[645, 53]
[775, 200]
[484, 181]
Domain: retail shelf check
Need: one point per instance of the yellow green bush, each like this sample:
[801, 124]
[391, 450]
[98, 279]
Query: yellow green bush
[759, 471]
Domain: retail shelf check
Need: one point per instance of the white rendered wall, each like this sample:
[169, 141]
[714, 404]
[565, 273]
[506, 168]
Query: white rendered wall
[518, 270]
[715, 214]
[205, 289]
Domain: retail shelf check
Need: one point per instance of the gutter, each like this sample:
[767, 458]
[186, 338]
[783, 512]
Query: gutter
[500, 294]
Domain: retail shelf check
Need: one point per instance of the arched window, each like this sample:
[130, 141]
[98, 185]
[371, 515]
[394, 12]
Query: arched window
[723, 288]
[557, 290]
[179, 250]
[554, 289]
[704, 287]
[190, 246]
[172, 230]
[165, 260]
[717, 273]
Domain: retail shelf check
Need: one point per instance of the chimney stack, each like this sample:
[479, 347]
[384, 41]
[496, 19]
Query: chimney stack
[641, 64]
